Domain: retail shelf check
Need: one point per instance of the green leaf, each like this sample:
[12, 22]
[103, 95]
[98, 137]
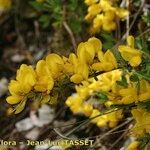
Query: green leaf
[75, 25]
[45, 20]
[134, 78]
[137, 3]
[37, 6]
[145, 142]
[108, 40]
[141, 44]
[146, 18]
[107, 36]
[123, 82]
[19, 108]
[73, 4]
[144, 105]
[101, 97]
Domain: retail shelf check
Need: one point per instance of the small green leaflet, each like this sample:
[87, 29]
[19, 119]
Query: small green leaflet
[101, 97]
[19, 108]
[123, 82]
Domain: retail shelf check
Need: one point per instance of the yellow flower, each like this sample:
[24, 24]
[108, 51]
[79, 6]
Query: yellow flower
[133, 146]
[93, 10]
[130, 54]
[121, 13]
[102, 121]
[54, 63]
[18, 88]
[75, 103]
[86, 52]
[96, 43]
[108, 26]
[25, 80]
[108, 21]
[26, 75]
[144, 93]
[107, 62]
[14, 99]
[95, 116]
[114, 117]
[106, 5]
[45, 81]
[68, 67]
[97, 23]
[81, 73]
[142, 119]
[87, 109]
[5, 4]
[129, 95]
[103, 15]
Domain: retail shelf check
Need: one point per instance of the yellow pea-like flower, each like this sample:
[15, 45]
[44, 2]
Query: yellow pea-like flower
[130, 41]
[42, 68]
[107, 62]
[102, 121]
[142, 119]
[144, 93]
[130, 54]
[44, 84]
[45, 81]
[129, 95]
[19, 88]
[77, 78]
[109, 15]
[96, 43]
[114, 117]
[109, 57]
[55, 63]
[121, 13]
[97, 23]
[94, 9]
[14, 99]
[75, 103]
[86, 52]
[83, 70]
[106, 5]
[95, 116]
[87, 109]
[108, 25]
[26, 75]
[73, 58]
[24, 83]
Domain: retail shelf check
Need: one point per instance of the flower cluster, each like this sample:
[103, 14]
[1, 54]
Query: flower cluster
[116, 88]
[103, 15]
[95, 94]
[84, 101]
[41, 79]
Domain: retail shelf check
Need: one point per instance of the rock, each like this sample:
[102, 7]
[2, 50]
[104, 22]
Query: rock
[17, 58]
[33, 134]
[3, 86]
[24, 124]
